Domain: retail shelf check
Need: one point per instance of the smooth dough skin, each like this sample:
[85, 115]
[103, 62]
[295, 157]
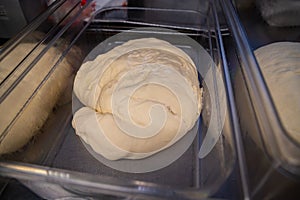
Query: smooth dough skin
[140, 98]
[280, 65]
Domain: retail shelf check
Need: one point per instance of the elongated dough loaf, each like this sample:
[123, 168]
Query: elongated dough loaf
[34, 115]
[280, 65]
[140, 97]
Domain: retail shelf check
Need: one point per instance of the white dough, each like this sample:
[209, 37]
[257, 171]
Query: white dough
[32, 118]
[280, 65]
[140, 97]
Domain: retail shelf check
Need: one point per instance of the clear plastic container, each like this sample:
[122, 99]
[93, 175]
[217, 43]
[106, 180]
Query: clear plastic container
[55, 164]
[272, 157]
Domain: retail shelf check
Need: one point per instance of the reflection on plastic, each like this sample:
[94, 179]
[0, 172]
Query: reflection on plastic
[216, 90]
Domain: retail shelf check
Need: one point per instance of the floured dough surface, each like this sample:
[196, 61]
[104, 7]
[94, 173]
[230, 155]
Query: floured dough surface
[22, 118]
[140, 98]
[280, 65]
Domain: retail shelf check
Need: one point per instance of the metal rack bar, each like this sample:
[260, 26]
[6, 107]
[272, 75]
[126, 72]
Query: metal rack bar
[47, 36]
[251, 67]
[128, 22]
[147, 23]
[234, 118]
[11, 44]
[10, 89]
[203, 30]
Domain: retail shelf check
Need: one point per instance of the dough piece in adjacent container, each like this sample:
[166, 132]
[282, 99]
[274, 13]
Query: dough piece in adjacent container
[35, 113]
[280, 65]
[141, 97]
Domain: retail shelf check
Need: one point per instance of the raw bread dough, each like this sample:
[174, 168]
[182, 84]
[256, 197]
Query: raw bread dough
[140, 97]
[34, 115]
[280, 65]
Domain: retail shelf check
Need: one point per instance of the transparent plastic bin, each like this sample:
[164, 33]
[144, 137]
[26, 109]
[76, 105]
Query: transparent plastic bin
[272, 157]
[55, 164]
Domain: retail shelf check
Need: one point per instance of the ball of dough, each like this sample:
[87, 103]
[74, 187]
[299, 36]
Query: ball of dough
[280, 66]
[140, 98]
